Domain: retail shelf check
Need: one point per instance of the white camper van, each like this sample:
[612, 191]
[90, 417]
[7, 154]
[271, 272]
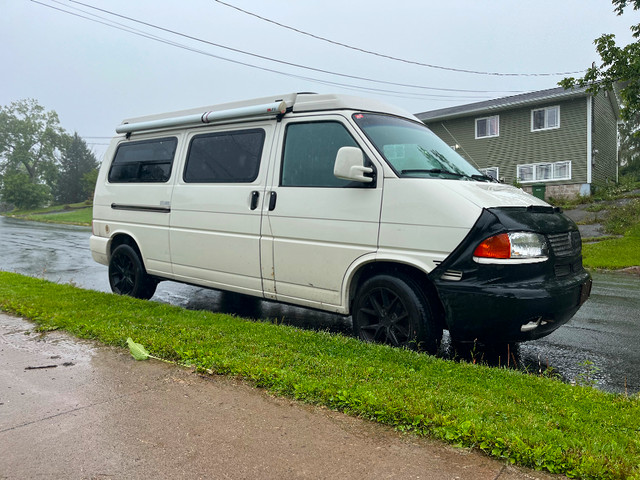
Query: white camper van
[336, 203]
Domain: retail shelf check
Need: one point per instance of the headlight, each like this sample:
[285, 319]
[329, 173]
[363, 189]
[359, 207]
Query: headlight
[513, 247]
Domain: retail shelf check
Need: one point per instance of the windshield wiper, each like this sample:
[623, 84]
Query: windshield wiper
[484, 178]
[432, 170]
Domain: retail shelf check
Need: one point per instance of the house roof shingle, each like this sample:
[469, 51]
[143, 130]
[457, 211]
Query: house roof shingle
[497, 104]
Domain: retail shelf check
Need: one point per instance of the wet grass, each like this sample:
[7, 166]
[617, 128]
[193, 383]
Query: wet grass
[614, 253]
[70, 214]
[620, 252]
[536, 422]
[75, 217]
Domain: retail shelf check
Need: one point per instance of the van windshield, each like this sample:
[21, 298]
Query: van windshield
[412, 150]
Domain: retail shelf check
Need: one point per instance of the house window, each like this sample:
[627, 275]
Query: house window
[540, 172]
[545, 118]
[488, 127]
[492, 172]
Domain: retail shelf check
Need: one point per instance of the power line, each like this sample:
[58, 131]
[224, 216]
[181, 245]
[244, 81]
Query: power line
[120, 26]
[282, 62]
[390, 57]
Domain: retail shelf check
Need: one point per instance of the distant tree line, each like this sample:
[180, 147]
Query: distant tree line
[41, 163]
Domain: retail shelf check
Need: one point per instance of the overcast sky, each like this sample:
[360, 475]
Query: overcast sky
[95, 75]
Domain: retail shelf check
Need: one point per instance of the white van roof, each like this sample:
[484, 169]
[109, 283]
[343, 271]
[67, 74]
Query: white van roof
[274, 105]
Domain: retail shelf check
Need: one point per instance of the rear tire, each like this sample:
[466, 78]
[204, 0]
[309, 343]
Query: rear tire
[394, 310]
[127, 275]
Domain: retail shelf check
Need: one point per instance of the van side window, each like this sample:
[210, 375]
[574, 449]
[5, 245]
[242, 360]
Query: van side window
[146, 161]
[310, 152]
[225, 157]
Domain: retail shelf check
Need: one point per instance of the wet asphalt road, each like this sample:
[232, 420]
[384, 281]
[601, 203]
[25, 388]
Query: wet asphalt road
[605, 332]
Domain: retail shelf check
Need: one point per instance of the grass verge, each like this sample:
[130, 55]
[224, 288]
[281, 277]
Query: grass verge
[74, 214]
[74, 217]
[622, 252]
[614, 253]
[533, 421]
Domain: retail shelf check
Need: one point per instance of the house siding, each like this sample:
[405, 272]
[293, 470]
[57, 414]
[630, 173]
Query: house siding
[518, 145]
[605, 147]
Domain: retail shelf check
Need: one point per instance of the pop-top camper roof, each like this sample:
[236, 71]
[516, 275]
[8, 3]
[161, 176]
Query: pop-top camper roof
[258, 108]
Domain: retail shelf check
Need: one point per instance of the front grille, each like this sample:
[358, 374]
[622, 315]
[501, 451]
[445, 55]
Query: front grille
[565, 244]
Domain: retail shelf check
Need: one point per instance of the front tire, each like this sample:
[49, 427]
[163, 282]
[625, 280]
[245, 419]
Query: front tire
[127, 275]
[394, 310]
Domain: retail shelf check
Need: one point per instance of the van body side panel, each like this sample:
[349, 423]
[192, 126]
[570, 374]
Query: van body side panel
[215, 237]
[422, 221]
[215, 226]
[317, 234]
[318, 231]
[138, 210]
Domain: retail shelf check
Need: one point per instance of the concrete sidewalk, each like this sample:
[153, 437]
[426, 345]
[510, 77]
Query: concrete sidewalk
[71, 409]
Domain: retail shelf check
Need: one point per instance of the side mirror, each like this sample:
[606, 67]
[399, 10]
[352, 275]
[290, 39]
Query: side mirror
[349, 165]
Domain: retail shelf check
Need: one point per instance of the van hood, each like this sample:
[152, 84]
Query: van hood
[488, 195]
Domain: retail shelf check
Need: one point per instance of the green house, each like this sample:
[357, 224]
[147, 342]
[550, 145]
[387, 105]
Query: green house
[553, 143]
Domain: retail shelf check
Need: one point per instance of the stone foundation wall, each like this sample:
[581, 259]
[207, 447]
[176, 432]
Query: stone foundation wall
[559, 191]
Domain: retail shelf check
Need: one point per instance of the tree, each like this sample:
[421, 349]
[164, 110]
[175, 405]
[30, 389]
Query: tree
[30, 143]
[620, 65]
[19, 190]
[77, 167]
[630, 146]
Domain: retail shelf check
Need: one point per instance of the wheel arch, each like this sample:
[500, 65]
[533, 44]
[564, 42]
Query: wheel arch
[123, 238]
[373, 267]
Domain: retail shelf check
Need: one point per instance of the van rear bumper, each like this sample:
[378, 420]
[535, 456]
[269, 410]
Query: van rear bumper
[99, 247]
[508, 312]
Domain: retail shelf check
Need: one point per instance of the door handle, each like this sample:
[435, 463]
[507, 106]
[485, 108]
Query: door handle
[272, 201]
[255, 196]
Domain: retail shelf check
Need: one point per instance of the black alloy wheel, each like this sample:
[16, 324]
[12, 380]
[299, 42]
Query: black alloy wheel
[127, 275]
[394, 310]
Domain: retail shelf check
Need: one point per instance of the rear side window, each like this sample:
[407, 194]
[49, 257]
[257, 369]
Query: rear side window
[146, 161]
[310, 152]
[225, 157]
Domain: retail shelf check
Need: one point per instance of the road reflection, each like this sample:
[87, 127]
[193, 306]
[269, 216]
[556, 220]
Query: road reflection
[253, 308]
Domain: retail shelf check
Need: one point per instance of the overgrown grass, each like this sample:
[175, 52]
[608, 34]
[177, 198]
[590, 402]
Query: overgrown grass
[536, 422]
[621, 219]
[622, 252]
[623, 189]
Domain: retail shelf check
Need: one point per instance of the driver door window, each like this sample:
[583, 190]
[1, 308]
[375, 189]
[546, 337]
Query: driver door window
[310, 152]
